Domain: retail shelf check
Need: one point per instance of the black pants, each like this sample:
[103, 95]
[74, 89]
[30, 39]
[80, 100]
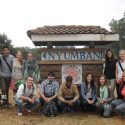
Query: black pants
[5, 85]
[86, 106]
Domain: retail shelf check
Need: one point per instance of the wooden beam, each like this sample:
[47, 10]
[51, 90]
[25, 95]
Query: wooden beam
[70, 62]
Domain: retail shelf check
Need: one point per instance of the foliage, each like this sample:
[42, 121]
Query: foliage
[119, 27]
[25, 51]
[4, 40]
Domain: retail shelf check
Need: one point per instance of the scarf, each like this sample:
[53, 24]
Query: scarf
[104, 92]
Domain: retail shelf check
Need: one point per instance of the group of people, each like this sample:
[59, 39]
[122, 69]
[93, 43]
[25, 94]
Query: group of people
[13, 69]
[105, 96]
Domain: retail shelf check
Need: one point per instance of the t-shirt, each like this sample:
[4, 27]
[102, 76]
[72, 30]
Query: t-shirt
[120, 72]
[123, 92]
[27, 91]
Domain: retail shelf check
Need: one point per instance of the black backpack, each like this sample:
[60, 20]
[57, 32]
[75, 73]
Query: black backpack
[49, 109]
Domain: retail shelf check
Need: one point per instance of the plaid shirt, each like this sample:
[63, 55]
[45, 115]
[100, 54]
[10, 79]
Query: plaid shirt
[49, 88]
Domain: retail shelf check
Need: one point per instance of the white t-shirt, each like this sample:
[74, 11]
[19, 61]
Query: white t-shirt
[120, 72]
[27, 91]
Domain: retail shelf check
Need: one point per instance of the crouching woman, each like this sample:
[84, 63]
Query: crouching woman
[105, 96]
[88, 93]
[119, 104]
[26, 93]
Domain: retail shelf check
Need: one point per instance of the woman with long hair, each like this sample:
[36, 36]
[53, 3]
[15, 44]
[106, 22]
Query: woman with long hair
[17, 70]
[109, 70]
[120, 68]
[88, 92]
[119, 104]
[105, 96]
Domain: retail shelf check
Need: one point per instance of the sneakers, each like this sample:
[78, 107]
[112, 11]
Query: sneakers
[28, 110]
[20, 114]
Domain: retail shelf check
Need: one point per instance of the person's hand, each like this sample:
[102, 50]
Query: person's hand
[89, 101]
[101, 101]
[71, 102]
[92, 101]
[47, 99]
[31, 100]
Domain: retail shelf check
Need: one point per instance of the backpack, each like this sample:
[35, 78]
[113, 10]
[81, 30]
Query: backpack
[18, 83]
[49, 109]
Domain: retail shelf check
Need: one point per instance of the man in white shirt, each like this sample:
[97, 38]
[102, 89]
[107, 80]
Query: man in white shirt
[26, 93]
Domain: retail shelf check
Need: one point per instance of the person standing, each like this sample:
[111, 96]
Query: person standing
[31, 68]
[120, 68]
[6, 64]
[17, 70]
[109, 70]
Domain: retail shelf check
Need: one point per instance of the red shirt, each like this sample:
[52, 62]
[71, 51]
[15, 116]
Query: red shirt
[123, 91]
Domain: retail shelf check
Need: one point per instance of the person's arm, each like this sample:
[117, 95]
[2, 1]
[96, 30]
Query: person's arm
[34, 91]
[60, 94]
[42, 90]
[37, 71]
[116, 72]
[111, 97]
[20, 92]
[76, 93]
[83, 91]
[94, 93]
[25, 73]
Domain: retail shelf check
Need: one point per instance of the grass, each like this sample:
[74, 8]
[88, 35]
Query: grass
[9, 117]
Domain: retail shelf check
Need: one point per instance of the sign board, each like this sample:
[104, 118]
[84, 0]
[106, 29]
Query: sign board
[72, 70]
[72, 55]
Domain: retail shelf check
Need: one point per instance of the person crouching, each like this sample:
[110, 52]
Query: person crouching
[26, 93]
[68, 96]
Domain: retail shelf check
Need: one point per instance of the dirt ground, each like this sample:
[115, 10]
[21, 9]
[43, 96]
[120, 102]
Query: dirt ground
[9, 117]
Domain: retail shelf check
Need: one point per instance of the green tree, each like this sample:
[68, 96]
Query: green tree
[4, 40]
[119, 27]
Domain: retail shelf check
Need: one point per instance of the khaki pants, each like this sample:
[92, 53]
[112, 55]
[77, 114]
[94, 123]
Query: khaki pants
[112, 85]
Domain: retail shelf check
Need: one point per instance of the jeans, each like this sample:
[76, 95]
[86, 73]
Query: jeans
[118, 105]
[29, 105]
[101, 108]
[63, 106]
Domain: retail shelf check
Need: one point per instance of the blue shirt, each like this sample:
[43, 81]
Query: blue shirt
[48, 88]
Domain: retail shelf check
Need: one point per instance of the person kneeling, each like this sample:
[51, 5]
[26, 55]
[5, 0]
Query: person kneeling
[105, 96]
[26, 93]
[48, 95]
[68, 96]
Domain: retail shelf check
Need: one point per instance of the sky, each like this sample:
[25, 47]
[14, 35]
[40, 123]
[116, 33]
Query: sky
[19, 16]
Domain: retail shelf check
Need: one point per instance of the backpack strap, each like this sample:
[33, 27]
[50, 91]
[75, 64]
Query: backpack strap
[120, 66]
[25, 87]
[4, 58]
